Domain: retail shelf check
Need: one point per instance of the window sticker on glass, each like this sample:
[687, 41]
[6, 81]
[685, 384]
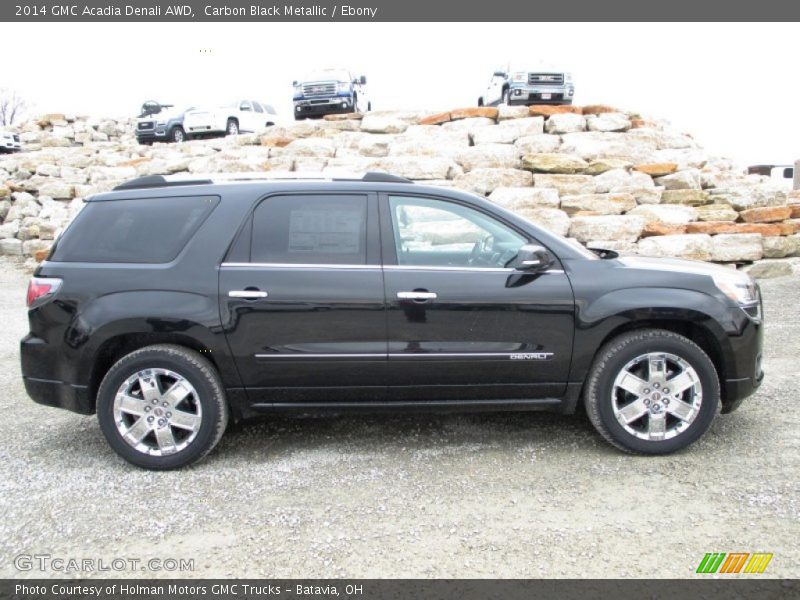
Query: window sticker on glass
[332, 229]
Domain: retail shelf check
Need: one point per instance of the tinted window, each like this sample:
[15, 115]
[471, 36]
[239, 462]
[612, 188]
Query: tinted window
[437, 233]
[310, 230]
[257, 106]
[152, 230]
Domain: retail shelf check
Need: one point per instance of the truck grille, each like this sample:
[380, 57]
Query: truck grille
[144, 125]
[545, 78]
[319, 89]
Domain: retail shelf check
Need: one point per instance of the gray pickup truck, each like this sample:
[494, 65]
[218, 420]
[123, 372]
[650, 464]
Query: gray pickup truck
[528, 87]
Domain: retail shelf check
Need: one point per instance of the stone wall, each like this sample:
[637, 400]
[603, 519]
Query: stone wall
[604, 177]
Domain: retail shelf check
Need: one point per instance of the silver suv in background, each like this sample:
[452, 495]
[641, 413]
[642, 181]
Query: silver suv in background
[328, 92]
[528, 87]
[9, 142]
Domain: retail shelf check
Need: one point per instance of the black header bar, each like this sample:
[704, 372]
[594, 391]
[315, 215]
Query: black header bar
[398, 10]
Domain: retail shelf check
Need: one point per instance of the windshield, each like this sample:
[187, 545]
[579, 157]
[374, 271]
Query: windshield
[327, 75]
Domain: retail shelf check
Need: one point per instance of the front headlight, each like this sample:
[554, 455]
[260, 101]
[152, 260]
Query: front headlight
[343, 87]
[568, 77]
[519, 77]
[161, 124]
[739, 287]
[298, 90]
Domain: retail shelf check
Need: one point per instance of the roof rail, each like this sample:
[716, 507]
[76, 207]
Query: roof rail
[153, 181]
[378, 176]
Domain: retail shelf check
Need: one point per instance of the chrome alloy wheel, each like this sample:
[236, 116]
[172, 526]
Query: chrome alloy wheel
[157, 411]
[656, 396]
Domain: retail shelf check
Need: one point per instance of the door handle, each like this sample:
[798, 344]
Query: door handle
[247, 294]
[417, 296]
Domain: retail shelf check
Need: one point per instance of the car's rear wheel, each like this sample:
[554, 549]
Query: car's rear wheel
[162, 407]
[652, 392]
[232, 128]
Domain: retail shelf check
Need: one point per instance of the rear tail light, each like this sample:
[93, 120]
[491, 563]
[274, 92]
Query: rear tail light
[41, 287]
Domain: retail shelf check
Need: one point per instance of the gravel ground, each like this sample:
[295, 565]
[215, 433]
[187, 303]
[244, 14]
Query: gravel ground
[497, 495]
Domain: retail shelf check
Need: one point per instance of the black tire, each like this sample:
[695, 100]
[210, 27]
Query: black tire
[369, 106]
[232, 127]
[506, 97]
[198, 372]
[355, 103]
[610, 361]
[177, 135]
[480, 101]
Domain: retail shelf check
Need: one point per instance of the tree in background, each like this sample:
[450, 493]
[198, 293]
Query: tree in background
[12, 105]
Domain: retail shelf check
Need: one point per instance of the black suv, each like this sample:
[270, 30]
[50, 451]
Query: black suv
[168, 307]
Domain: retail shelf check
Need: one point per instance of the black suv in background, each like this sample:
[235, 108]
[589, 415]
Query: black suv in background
[168, 307]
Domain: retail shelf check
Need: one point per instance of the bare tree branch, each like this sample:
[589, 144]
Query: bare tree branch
[12, 106]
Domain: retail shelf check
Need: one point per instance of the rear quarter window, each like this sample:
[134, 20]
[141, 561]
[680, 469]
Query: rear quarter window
[144, 230]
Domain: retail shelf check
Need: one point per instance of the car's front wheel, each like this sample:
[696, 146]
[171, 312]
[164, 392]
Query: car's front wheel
[177, 135]
[652, 392]
[162, 407]
[232, 127]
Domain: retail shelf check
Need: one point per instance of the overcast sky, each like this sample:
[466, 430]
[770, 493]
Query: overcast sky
[736, 87]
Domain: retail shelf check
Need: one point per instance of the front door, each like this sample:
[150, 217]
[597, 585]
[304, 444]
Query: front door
[461, 323]
[302, 300]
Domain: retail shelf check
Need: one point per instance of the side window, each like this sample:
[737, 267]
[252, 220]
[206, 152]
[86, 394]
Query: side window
[310, 230]
[438, 233]
[245, 105]
[147, 230]
[257, 107]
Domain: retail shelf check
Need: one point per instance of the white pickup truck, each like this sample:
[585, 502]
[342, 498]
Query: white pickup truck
[234, 118]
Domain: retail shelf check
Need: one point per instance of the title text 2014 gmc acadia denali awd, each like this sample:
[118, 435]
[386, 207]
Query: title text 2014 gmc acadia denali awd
[168, 307]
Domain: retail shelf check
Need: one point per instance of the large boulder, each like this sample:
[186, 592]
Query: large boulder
[604, 204]
[551, 219]
[566, 123]
[311, 146]
[779, 246]
[484, 181]
[554, 163]
[769, 267]
[508, 132]
[488, 156]
[608, 122]
[682, 180]
[566, 184]
[537, 144]
[728, 247]
[696, 247]
[766, 214]
[619, 228]
[374, 123]
[515, 198]
[716, 212]
[666, 213]
[692, 197]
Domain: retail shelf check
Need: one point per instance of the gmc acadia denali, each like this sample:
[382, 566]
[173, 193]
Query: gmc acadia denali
[170, 306]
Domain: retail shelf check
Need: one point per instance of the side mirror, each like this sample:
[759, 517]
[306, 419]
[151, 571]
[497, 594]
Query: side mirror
[500, 74]
[363, 80]
[533, 258]
[294, 83]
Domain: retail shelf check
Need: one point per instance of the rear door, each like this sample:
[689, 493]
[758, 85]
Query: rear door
[303, 291]
[461, 323]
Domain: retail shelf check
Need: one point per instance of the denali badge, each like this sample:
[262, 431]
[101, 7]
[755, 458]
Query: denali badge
[531, 356]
